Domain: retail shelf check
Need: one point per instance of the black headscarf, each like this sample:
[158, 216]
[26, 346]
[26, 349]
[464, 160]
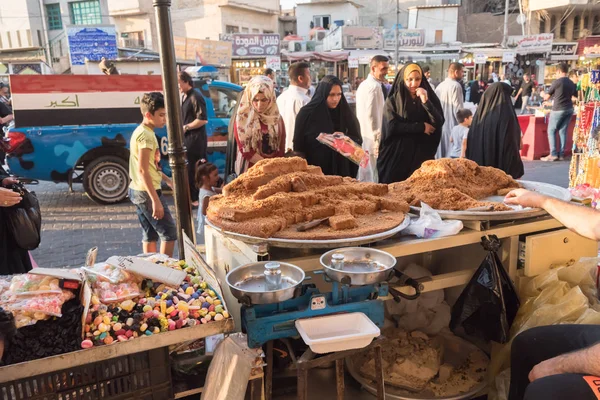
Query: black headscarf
[404, 145]
[316, 118]
[495, 135]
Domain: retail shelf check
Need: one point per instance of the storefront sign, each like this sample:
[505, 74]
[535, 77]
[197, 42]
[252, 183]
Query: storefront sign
[531, 43]
[352, 62]
[92, 43]
[353, 37]
[564, 49]
[508, 56]
[407, 38]
[274, 62]
[205, 52]
[480, 58]
[245, 44]
[591, 50]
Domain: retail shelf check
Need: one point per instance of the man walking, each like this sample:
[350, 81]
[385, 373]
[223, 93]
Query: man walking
[427, 74]
[562, 91]
[450, 93]
[525, 92]
[293, 99]
[193, 109]
[370, 101]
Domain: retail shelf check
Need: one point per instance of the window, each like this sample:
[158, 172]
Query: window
[133, 40]
[265, 31]
[439, 36]
[255, 30]
[321, 21]
[39, 37]
[245, 30]
[232, 29]
[224, 101]
[85, 12]
[586, 22]
[542, 25]
[576, 27]
[553, 24]
[54, 17]
[596, 26]
[563, 28]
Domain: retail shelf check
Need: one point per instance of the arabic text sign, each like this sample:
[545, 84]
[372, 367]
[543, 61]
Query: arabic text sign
[207, 52]
[92, 43]
[407, 38]
[567, 49]
[274, 62]
[245, 44]
[541, 43]
[589, 50]
[352, 62]
[508, 56]
[480, 58]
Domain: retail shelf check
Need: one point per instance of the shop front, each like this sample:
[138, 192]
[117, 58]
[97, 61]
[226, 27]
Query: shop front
[322, 63]
[252, 54]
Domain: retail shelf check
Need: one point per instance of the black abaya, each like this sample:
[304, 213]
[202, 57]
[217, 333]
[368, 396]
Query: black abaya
[13, 259]
[316, 118]
[404, 144]
[495, 135]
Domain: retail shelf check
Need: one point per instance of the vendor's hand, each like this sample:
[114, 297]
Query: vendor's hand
[545, 368]
[525, 198]
[328, 138]
[422, 93]
[9, 181]
[158, 211]
[8, 198]
[429, 129]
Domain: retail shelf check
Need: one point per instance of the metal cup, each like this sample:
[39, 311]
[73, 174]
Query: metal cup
[337, 261]
[273, 275]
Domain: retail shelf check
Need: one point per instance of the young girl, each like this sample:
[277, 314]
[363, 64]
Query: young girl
[207, 178]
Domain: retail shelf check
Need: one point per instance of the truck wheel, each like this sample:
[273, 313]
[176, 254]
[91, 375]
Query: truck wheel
[106, 180]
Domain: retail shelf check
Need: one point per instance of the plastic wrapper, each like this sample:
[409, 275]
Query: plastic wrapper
[39, 307]
[346, 147]
[430, 225]
[230, 369]
[111, 293]
[105, 272]
[29, 284]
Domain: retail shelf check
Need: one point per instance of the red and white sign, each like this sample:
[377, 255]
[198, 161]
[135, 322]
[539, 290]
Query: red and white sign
[274, 63]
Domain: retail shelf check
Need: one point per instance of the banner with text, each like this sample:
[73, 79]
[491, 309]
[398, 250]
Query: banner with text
[407, 38]
[205, 52]
[252, 45]
[531, 43]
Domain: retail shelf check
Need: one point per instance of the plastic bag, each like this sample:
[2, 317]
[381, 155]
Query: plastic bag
[113, 293]
[487, 307]
[24, 220]
[29, 284]
[44, 305]
[345, 146]
[107, 272]
[431, 225]
[230, 369]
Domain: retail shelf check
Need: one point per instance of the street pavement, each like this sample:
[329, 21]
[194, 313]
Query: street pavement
[72, 223]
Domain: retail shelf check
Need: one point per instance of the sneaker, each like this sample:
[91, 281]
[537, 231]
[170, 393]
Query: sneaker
[549, 158]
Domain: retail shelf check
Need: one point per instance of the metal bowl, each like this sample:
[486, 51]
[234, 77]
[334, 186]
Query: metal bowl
[357, 269]
[248, 284]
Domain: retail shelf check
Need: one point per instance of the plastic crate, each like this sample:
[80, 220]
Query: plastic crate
[141, 376]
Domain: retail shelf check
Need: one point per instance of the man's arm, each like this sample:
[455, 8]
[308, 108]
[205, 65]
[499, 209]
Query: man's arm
[7, 119]
[144, 156]
[463, 151]
[519, 92]
[582, 220]
[585, 362]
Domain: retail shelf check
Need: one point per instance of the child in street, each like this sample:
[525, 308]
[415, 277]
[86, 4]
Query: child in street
[458, 138]
[145, 187]
[207, 179]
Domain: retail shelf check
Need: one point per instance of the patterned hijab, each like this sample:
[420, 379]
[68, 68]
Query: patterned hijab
[248, 119]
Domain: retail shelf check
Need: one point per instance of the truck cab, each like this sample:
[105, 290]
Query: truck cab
[77, 129]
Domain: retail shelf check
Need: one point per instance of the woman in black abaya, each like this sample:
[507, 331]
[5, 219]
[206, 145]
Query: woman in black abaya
[412, 126]
[495, 135]
[327, 112]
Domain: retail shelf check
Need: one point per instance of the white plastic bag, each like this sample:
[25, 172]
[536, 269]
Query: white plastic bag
[430, 225]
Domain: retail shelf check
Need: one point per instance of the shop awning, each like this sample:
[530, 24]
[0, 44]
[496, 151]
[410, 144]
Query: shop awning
[416, 56]
[332, 56]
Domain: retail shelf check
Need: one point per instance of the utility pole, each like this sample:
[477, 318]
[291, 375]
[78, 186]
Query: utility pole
[177, 151]
[505, 36]
[397, 34]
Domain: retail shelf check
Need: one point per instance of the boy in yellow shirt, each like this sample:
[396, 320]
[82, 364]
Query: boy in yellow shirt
[144, 189]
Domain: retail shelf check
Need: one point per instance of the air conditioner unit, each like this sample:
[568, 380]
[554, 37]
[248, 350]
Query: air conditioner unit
[296, 46]
[321, 35]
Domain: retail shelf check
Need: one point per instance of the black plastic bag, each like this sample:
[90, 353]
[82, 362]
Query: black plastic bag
[24, 220]
[487, 307]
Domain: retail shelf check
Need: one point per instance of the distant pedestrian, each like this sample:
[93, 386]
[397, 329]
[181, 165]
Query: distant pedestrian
[145, 187]
[5, 96]
[460, 133]
[293, 99]
[525, 92]
[207, 180]
[272, 75]
[562, 90]
[427, 75]
[195, 118]
[475, 91]
[494, 138]
[450, 93]
[370, 101]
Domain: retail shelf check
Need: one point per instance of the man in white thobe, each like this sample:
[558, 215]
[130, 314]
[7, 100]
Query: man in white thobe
[293, 99]
[370, 100]
[450, 94]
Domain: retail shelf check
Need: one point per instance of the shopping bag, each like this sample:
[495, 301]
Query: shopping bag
[487, 307]
[24, 220]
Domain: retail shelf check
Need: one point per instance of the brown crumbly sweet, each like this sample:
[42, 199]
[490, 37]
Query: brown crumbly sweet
[276, 194]
[454, 184]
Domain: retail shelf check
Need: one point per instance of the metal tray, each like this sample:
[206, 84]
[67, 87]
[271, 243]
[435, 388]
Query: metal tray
[360, 273]
[518, 212]
[456, 348]
[318, 244]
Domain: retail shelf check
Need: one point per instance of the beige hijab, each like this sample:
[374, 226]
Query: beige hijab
[248, 119]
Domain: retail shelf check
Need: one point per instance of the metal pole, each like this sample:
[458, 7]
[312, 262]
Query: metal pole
[397, 34]
[177, 151]
[505, 36]
[46, 39]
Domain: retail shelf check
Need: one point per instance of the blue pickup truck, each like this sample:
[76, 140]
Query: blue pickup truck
[77, 129]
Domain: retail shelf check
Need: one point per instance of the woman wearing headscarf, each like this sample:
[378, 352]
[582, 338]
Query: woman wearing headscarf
[412, 126]
[13, 259]
[258, 129]
[327, 112]
[495, 135]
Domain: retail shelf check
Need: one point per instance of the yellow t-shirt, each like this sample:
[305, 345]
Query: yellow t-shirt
[143, 138]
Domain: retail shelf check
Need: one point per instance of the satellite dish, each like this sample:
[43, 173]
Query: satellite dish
[521, 19]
